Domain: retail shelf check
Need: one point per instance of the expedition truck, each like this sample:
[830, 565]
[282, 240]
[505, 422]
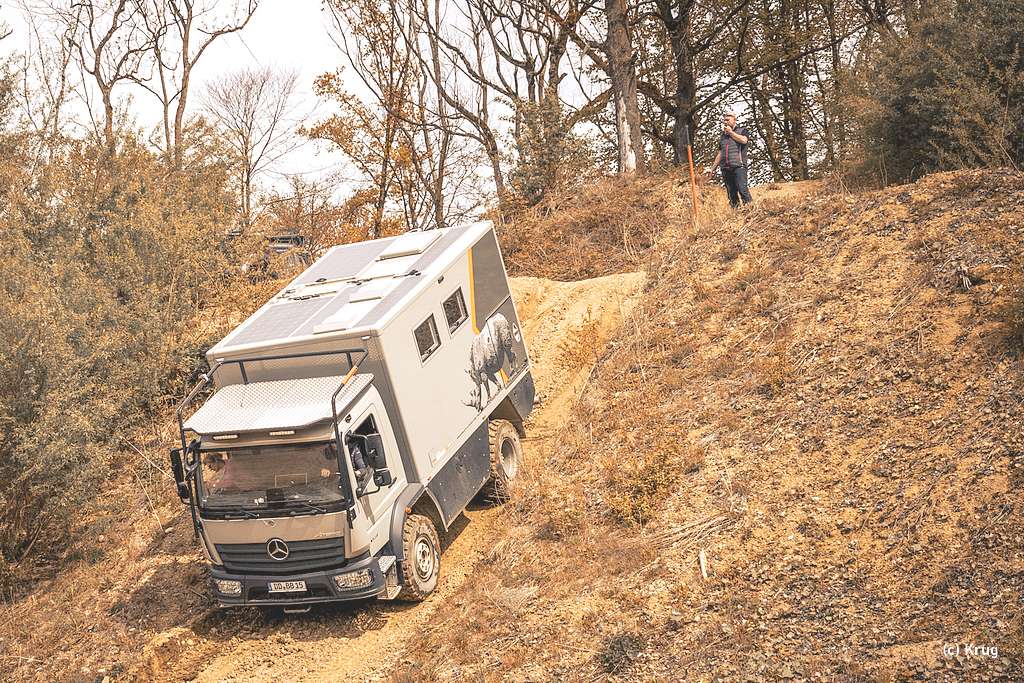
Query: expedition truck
[352, 418]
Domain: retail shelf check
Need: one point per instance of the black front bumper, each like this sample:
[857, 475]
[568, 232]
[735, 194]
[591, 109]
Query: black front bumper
[320, 586]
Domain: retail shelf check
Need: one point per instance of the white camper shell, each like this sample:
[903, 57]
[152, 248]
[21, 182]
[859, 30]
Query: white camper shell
[353, 417]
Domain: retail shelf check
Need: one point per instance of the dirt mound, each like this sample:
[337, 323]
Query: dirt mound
[803, 460]
[567, 326]
[606, 228]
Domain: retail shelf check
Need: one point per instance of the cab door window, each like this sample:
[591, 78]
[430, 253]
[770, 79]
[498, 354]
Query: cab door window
[369, 461]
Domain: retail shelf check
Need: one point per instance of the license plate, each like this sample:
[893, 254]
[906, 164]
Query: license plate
[287, 586]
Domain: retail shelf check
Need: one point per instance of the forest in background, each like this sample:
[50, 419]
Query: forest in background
[124, 240]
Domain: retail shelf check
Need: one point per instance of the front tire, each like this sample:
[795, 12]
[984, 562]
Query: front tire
[506, 459]
[421, 549]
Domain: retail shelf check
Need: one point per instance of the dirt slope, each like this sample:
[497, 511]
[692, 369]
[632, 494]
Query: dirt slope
[799, 458]
[355, 643]
[804, 462]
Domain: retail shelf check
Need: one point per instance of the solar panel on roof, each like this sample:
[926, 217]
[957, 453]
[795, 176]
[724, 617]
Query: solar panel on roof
[347, 288]
[343, 262]
[277, 321]
[409, 244]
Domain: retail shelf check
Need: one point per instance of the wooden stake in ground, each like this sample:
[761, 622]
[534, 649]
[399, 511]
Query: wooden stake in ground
[693, 175]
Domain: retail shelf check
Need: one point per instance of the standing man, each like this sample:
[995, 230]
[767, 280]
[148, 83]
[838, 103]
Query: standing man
[732, 159]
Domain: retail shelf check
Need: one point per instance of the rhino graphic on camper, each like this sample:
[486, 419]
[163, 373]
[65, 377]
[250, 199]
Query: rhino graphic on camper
[491, 346]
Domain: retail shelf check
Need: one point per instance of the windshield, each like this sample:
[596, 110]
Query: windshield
[269, 476]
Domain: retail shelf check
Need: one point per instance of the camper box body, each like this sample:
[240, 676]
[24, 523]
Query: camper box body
[444, 356]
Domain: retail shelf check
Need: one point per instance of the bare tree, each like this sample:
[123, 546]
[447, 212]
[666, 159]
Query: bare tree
[180, 32]
[498, 60]
[410, 141]
[45, 86]
[251, 107]
[369, 35]
[110, 45]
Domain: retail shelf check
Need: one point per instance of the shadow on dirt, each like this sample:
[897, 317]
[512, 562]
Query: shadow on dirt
[207, 629]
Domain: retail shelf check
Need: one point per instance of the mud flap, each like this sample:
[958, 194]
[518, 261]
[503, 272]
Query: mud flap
[389, 567]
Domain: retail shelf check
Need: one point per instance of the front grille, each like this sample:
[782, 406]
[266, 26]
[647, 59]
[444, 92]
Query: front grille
[303, 556]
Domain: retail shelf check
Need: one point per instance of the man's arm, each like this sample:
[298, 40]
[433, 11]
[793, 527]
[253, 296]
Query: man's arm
[715, 163]
[742, 139]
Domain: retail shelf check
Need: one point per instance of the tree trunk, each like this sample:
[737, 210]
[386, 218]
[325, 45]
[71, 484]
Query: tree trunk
[838, 93]
[686, 85]
[793, 98]
[494, 156]
[108, 122]
[623, 76]
[246, 197]
[764, 123]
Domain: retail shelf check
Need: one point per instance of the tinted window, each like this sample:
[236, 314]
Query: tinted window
[455, 310]
[367, 427]
[427, 340]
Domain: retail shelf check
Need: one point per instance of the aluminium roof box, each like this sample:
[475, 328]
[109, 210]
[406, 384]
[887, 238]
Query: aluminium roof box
[276, 404]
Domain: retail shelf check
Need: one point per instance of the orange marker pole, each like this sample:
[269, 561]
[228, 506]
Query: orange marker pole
[693, 174]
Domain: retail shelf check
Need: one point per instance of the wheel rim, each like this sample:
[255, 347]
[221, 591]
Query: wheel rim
[509, 459]
[424, 558]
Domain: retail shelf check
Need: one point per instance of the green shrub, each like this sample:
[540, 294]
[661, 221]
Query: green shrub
[933, 103]
[106, 263]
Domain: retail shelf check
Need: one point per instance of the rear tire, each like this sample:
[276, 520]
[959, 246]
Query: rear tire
[421, 549]
[506, 459]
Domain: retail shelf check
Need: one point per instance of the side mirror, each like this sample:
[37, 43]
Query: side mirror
[178, 468]
[375, 454]
[382, 477]
[378, 461]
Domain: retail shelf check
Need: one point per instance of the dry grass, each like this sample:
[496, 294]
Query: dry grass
[609, 227]
[778, 410]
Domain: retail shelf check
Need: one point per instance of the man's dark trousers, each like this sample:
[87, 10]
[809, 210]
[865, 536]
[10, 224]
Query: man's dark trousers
[735, 180]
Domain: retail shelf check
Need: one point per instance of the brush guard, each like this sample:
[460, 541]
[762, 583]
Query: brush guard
[189, 451]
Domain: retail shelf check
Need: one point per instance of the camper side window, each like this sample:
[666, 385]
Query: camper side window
[455, 310]
[427, 340]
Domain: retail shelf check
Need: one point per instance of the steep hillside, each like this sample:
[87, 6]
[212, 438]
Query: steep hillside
[790, 450]
[817, 406]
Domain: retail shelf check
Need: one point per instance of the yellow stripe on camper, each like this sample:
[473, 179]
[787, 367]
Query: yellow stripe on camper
[472, 297]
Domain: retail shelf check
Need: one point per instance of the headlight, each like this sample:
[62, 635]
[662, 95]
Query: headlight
[228, 586]
[356, 579]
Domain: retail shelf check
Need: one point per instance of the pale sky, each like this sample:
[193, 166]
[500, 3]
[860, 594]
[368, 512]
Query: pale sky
[286, 33]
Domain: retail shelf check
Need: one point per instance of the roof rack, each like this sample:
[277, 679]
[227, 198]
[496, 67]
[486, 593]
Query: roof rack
[206, 379]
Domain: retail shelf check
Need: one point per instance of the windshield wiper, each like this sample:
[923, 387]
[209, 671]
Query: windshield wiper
[307, 504]
[244, 513]
[230, 511]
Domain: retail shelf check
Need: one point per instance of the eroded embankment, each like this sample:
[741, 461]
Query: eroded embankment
[360, 642]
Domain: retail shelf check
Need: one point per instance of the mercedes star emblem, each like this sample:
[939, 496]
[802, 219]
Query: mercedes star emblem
[277, 549]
